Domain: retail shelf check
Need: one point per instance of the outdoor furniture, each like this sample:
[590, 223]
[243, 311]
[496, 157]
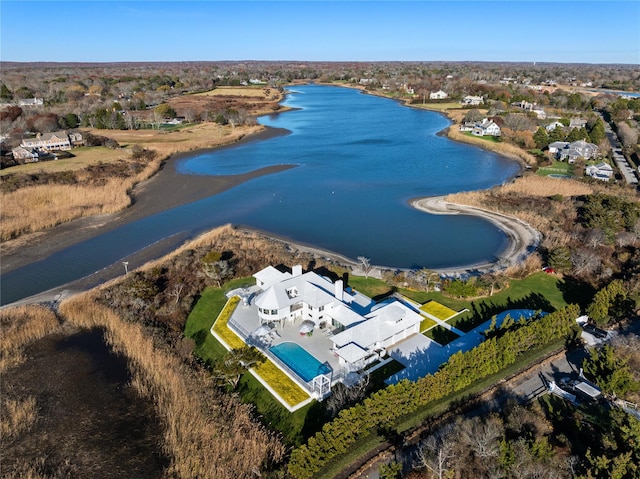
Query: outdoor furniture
[306, 327]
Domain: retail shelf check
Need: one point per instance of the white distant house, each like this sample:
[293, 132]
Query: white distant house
[29, 102]
[361, 328]
[485, 127]
[472, 100]
[438, 95]
[553, 125]
[602, 171]
[577, 149]
[556, 146]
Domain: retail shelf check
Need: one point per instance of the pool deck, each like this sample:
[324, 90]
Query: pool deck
[318, 344]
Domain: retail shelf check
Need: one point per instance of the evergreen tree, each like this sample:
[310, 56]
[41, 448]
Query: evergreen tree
[541, 138]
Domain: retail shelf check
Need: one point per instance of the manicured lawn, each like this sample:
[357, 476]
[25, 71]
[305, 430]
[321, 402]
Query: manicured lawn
[556, 168]
[441, 335]
[438, 310]
[199, 324]
[282, 384]
[372, 287]
[427, 323]
[490, 139]
[220, 326]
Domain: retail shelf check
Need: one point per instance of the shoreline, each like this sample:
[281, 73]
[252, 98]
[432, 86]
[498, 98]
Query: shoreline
[522, 238]
[168, 189]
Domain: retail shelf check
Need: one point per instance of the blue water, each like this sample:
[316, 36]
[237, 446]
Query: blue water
[299, 360]
[359, 159]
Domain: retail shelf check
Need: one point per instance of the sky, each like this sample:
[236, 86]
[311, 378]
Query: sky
[562, 31]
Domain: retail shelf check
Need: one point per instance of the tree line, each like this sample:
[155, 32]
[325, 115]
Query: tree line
[381, 411]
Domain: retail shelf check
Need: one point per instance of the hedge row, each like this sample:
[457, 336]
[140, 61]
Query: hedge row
[382, 410]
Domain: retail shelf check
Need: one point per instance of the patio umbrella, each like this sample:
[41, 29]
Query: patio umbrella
[306, 327]
[262, 331]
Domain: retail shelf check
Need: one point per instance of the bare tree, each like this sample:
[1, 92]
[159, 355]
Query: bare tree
[365, 264]
[584, 261]
[435, 453]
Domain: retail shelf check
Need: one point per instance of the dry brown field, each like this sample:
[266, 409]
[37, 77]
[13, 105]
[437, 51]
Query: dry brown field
[37, 208]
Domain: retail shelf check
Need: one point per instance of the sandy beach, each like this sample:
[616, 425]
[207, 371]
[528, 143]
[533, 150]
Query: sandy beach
[523, 238]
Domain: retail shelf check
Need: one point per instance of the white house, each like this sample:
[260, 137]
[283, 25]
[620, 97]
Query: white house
[601, 171]
[556, 146]
[438, 95]
[472, 100]
[362, 329]
[577, 149]
[386, 325]
[552, 126]
[486, 128]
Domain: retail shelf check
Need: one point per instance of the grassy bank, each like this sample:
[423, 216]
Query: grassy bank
[37, 208]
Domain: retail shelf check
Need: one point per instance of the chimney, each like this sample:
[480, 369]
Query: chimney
[339, 290]
[296, 270]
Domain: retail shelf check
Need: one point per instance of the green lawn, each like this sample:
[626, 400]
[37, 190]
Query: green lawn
[427, 323]
[372, 287]
[295, 427]
[199, 324]
[438, 310]
[490, 139]
[282, 384]
[556, 168]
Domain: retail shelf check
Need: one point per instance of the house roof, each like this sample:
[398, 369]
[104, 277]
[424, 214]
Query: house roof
[382, 323]
[270, 275]
[352, 353]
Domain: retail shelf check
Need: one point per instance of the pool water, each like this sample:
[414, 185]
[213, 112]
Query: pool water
[299, 360]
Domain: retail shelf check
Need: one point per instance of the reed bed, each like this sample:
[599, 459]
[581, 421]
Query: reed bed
[20, 326]
[17, 416]
[207, 433]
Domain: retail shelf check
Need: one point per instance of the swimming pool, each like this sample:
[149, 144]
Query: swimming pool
[299, 360]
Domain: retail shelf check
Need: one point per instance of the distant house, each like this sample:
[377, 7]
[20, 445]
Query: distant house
[601, 171]
[28, 102]
[472, 100]
[577, 149]
[577, 123]
[556, 146]
[438, 95]
[485, 127]
[59, 140]
[540, 113]
[552, 126]
[30, 155]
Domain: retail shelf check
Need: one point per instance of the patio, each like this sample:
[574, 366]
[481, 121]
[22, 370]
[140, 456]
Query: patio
[315, 341]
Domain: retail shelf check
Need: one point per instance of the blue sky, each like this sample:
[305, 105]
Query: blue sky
[428, 30]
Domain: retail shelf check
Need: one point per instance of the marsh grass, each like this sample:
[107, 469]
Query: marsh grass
[20, 326]
[37, 208]
[17, 416]
[207, 433]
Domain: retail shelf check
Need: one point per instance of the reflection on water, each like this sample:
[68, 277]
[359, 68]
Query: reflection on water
[360, 159]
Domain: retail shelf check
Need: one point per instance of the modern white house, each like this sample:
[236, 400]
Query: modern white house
[438, 95]
[360, 328]
[602, 171]
[472, 100]
[58, 140]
